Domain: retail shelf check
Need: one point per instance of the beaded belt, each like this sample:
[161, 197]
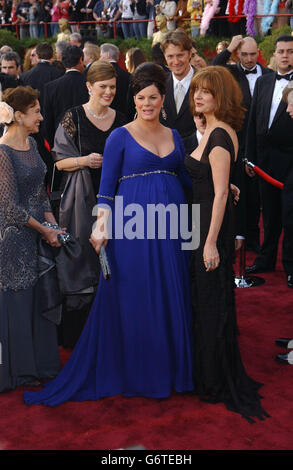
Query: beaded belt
[138, 174]
[146, 174]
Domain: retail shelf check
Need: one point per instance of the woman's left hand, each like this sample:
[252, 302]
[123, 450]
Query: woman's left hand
[236, 193]
[211, 256]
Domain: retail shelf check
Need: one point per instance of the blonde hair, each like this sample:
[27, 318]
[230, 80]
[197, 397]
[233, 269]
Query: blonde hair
[93, 51]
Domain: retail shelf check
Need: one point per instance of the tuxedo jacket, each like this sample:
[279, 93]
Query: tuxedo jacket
[122, 85]
[7, 81]
[39, 75]
[270, 148]
[59, 95]
[183, 121]
[238, 73]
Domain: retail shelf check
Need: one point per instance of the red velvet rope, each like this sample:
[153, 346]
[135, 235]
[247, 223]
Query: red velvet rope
[267, 177]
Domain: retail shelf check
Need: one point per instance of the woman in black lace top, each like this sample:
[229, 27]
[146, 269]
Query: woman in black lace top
[28, 341]
[78, 147]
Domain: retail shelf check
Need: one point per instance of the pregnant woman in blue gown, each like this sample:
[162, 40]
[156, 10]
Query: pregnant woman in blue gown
[138, 338]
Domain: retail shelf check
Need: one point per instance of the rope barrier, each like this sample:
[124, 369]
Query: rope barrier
[263, 174]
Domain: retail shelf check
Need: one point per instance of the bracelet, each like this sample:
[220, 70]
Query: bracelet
[76, 161]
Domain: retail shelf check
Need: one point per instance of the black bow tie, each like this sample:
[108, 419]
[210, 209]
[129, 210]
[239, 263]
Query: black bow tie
[250, 71]
[288, 76]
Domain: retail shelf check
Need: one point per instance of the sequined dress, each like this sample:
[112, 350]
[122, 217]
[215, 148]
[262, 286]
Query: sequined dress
[28, 341]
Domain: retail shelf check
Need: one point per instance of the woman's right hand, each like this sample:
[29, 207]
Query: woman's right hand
[98, 239]
[51, 236]
[94, 160]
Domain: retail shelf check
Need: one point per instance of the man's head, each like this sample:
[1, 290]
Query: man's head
[75, 39]
[72, 58]
[5, 48]
[109, 52]
[248, 53]
[44, 51]
[60, 46]
[284, 53]
[177, 47]
[10, 63]
[91, 53]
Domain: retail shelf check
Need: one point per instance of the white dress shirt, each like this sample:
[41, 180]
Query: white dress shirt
[277, 96]
[185, 82]
[252, 77]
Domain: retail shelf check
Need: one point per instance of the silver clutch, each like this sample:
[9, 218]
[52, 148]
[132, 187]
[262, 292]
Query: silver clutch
[105, 267]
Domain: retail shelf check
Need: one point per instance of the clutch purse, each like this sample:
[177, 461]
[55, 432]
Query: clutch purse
[105, 267]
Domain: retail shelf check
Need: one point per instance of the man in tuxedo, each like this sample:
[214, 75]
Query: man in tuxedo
[177, 48]
[246, 72]
[65, 92]
[43, 72]
[270, 146]
[111, 53]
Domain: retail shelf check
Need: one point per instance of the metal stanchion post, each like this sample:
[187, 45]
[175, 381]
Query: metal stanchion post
[241, 280]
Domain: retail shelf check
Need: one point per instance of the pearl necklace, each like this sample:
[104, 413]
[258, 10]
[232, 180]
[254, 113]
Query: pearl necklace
[95, 115]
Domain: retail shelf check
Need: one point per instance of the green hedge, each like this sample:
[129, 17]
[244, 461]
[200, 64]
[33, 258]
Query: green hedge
[206, 45]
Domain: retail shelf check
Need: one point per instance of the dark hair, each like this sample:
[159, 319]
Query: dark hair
[21, 98]
[157, 55]
[136, 57]
[226, 91]
[71, 56]
[284, 38]
[177, 38]
[148, 74]
[44, 50]
[11, 56]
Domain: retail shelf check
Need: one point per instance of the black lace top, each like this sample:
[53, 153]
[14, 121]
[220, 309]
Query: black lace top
[22, 195]
[89, 139]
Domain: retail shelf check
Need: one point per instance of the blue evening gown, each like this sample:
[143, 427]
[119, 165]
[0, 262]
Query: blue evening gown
[138, 338]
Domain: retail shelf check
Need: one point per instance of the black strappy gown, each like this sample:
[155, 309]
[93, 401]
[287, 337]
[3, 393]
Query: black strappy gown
[219, 374]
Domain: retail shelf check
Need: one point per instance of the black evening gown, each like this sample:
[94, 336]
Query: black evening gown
[219, 374]
[89, 139]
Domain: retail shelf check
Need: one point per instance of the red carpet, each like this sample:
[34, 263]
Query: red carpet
[181, 422]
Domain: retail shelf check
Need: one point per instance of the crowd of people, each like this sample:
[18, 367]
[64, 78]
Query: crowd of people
[80, 135]
[36, 18]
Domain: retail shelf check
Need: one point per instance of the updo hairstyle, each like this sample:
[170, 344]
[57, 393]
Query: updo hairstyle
[100, 71]
[20, 98]
[148, 74]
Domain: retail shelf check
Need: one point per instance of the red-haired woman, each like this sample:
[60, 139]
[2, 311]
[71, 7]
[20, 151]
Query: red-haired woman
[219, 374]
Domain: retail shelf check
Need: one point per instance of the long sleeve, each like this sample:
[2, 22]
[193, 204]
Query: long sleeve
[183, 175]
[112, 165]
[9, 203]
[222, 58]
